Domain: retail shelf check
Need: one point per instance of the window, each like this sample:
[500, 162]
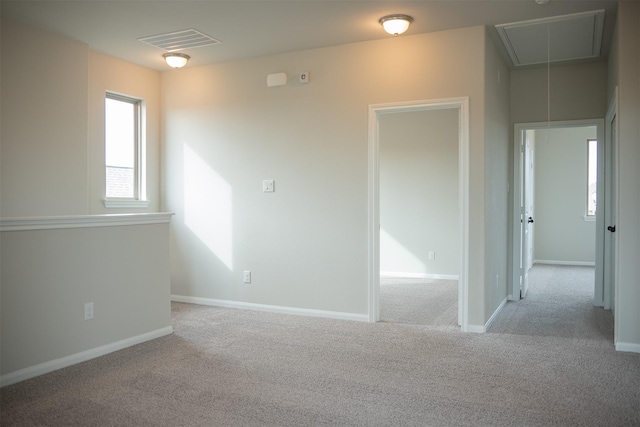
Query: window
[592, 176]
[123, 152]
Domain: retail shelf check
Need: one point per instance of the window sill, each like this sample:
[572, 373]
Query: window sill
[590, 218]
[113, 203]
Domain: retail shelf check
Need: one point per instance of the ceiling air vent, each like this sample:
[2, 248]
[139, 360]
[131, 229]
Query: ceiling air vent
[570, 37]
[180, 40]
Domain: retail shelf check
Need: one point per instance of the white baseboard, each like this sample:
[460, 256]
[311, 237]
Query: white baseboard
[476, 329]
[574, 263]
[627, 346]
[481, 329]
[418, 275]
[495, 315]
[63, 362]
[271, 308]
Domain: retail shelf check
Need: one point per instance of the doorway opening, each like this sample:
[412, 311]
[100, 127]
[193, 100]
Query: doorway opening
[376, 114]
[418, 153]
[553, 218]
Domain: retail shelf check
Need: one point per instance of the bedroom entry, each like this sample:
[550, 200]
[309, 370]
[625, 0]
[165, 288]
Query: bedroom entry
[558, 182]
[418, 211]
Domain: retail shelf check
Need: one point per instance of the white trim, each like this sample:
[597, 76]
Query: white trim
[111, 203]
[462, 105]
[270, 308]
[628, 346]
[63, 362]
[476, 329]
[83, 221]
[589, 218]
[481, 329]
[404, 275]
[574, 263]
[494, 316]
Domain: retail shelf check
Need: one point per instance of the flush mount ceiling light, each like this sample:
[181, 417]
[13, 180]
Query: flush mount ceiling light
[396, 24]
[175, 59]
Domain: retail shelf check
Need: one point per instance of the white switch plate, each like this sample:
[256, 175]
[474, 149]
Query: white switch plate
[88, 311]
[432, 255]
[246, 276]
[268, 186]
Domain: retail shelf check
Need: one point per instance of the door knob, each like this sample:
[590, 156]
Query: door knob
[530, 220]
[612, 228]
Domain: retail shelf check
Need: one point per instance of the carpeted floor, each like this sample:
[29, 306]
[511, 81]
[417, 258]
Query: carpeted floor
[559, 303]
[428, 302]
[226, 367]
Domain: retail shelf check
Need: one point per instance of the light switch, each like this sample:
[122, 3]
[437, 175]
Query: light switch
[268, 186]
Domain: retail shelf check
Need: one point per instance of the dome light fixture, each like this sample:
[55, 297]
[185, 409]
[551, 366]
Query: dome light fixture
[176, 60]
[396, 24]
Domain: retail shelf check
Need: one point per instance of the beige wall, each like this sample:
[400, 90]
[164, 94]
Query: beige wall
[123, 270]
[306, 244]
[577, 92]
[43, 123]
[561, 233]
[52, 165]
[496, 165]
[52, 123]
[419, 192]
[114, 75]
[627, 63]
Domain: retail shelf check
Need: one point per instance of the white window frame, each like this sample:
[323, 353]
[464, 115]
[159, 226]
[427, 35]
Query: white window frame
[587, 215]
[139, 199]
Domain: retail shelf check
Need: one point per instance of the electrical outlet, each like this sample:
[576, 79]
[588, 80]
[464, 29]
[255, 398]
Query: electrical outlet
[247, 277]
[431, 255]
[88, 311]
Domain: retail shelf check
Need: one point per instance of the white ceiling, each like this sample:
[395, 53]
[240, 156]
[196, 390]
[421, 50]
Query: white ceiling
[265, 27]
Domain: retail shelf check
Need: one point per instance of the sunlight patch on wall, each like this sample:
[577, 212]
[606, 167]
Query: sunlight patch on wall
[208, 206]
[396, 258]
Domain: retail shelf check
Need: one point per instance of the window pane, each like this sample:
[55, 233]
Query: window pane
[120, 148]
[592, 180]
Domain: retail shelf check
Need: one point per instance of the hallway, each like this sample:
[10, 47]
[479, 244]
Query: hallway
[559, 303]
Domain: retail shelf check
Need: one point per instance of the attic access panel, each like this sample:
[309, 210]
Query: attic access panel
[558, 38]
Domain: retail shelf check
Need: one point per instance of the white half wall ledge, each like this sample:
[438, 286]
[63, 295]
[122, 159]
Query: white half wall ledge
[270, 308]
[63, 362]
[83, 221]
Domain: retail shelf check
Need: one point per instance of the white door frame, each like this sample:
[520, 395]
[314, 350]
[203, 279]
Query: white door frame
[375, 110]
[609, 271]
[519, 128]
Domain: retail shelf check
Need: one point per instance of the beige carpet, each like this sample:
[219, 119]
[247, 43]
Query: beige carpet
[559, 303]
[226, 367]
[427, 302]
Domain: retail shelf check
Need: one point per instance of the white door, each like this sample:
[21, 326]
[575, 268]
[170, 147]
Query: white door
[610, 213]
[527, 209]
